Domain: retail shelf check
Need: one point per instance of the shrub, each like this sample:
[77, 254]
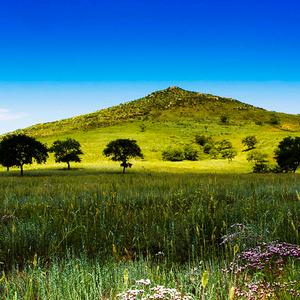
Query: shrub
[208, 147]
[201, 140]
[260, 161]
[229, 154]
[224, 145]
[173, 154]
[190, 153]
[249, 142]
[224, 119]
[214, 153]
[274, 120]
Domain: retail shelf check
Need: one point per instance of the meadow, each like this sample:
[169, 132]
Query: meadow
[92, 233]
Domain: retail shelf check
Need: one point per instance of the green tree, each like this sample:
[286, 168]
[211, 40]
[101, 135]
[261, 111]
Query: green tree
[6, 158]
[122, 150]
[249, 142]
[19, 150]
[229, 154]
[224, 145]
[288, 154]
[66, 151]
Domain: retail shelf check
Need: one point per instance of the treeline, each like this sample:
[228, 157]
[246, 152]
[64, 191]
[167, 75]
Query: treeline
[287, 154]
[18, 150]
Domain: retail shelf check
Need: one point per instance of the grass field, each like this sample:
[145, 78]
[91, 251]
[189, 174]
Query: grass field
[91, 233]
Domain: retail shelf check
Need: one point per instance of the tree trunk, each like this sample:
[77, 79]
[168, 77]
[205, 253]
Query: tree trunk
[124, 168]
[21, 167]
[7, 169]
[68, 165]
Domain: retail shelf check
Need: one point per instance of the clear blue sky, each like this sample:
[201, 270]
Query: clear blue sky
[61, 58]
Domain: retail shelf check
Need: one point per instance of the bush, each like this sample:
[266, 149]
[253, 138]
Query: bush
[275, 120]
[260, 167]
[208, 147]
[224, 119]
[224, 145]
[201, 140]
[172, 154]
[190, 153]
[229, 154]
[249, 142]
[260, 161]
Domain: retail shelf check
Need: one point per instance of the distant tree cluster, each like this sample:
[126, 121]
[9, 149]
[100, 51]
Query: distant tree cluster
[18, 150]
[222, 149]
[287, 157]
[189, 152]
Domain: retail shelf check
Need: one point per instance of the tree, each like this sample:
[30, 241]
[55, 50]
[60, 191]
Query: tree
[6, 158]
[288, 154]
[66, 151]
[20, 149]
[229, 154]
[224, 145]
[122, 150]
[249, 142]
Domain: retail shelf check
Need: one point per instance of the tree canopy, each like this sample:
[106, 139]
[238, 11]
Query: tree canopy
[122, 150]
[249, 142]
[20, 149]
[288, 154]
[66, 151]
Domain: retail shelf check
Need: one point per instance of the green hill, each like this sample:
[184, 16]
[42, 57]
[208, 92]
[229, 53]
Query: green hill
[171, 117]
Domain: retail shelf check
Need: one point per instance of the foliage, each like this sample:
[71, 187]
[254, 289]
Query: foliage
[66, 151]
[224, 145]
[208, 147]
[224, 119]
[274, 120]
[190, 153]
[19, 150]
[249, 142]
[6, 155]
[259, 160]
[288, 154]
[201, 140]
[122, 150]
[173, 154]
[229, 154]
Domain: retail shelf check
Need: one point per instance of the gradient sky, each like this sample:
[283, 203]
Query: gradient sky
[67, 57]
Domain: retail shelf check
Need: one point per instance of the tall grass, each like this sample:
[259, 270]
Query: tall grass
[139, 215]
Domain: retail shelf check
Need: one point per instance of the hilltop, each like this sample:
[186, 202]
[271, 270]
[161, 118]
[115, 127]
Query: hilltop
[171, 117]
[172, 103]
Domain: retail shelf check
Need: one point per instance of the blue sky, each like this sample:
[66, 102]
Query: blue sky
[62, 58]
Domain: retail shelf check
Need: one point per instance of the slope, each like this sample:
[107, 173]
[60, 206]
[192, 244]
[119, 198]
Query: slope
[171, 117]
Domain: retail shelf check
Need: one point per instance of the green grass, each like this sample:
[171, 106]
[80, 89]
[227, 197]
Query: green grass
[87, 226]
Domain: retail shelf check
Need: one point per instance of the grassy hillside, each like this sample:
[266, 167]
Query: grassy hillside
[171, 117]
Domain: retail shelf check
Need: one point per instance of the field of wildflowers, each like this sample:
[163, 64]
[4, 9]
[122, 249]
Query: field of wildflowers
[149, 236]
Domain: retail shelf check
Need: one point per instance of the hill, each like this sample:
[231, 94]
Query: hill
[171, 117]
